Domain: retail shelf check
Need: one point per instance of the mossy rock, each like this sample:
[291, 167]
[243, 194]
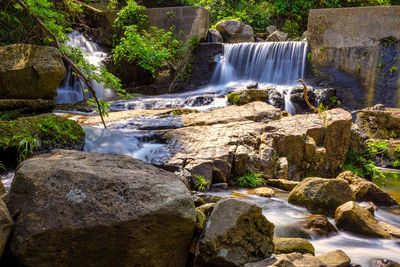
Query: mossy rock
[285, 245]
[27, 136]
[11, 109]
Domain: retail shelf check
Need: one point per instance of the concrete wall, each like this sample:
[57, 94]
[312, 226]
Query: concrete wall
[188, 21]
[355, 41]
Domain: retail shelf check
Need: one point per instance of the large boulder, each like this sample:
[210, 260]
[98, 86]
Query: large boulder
[30, 71]
[286, 245]
[354, 218]
[321, 195]
[365, 190]
[79, 208]
[6, 224]
[236, 233]
[235, 31]
[335, 258]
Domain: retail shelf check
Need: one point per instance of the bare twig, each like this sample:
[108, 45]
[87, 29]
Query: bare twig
[306, 97]
[81, 75]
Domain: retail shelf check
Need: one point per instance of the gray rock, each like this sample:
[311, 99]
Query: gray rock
[235, 31]
[235, 234]
[215, 36]
[271, 29]
[80, 208]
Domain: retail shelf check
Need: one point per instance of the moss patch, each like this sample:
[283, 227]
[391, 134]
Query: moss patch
[26, 136]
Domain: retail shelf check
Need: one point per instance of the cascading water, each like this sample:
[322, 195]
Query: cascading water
[70, 91]
[279, 63]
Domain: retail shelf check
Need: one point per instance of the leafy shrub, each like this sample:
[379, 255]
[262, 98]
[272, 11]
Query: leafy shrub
[250, 180]
[201, 183]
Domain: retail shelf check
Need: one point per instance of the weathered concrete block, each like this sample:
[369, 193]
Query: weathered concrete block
[361, 42]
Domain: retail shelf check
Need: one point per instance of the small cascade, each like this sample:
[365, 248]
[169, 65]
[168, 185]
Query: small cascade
[70, 91]
[278, 63]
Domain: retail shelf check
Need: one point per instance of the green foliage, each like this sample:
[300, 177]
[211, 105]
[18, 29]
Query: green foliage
[362, 163]
[233, 98]
[290, 16]
[250, 180]
[150, 49]
[335, 100]
[322, 111]
[2, 167]
[129, 15]
[201, 183]
[393, 69]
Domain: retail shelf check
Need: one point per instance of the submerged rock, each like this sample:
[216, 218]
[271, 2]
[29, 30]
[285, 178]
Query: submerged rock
[321, 195]
[236, 233]
[365, 190]
[318, 225]
[354, 218]
[79, 208]
[262, 192]
[30, 71]
[335, 258]
[285, 245]
[375, 262]
[235, 31]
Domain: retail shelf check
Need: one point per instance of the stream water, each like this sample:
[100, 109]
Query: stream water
[276, 65]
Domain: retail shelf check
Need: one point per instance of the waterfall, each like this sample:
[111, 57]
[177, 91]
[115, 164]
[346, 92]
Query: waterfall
[280, 63]
[70, 90]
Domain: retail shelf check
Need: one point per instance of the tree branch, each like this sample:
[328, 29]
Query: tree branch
[86, 80]
[306, 97]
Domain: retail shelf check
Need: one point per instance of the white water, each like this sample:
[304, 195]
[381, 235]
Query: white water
[280, 63]
[287, 217]
[70, 90]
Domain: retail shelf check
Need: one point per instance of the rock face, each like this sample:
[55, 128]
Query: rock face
[379, 123]
[11, 109]
[291, 137]
[235, 31]
[6, 224]
[335, 258]
[30, 72]
[353, 218]
[365, 190]
[289, 245]
[247, 96]
[226, 142]
[79, 208]
[321, 195]
[236, 233]
[215, 36]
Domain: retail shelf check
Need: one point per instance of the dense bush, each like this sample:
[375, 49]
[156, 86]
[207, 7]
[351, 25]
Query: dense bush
[290, 16]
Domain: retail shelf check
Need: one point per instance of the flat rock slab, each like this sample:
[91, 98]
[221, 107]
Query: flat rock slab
[82, 209]
[255, 111]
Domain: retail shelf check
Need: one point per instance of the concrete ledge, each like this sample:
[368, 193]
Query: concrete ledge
[353, 27]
